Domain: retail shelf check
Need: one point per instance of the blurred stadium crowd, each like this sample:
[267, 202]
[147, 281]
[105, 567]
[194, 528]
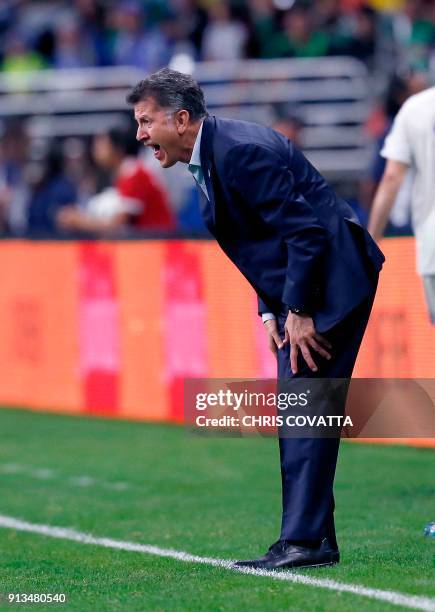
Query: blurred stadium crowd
[98, 184]
[147, 33]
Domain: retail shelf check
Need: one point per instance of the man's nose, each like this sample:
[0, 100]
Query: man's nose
[141, 134]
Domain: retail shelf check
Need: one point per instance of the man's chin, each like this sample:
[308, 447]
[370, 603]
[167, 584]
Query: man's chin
[167, 163]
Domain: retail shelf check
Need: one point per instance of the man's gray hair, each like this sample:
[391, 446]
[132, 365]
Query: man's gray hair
[171, 90]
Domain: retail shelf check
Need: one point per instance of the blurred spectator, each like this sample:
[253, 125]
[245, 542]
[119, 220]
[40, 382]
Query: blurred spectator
[136, 200]
[417, 81]
[224, 37]
[263, 16]
[51, 190]
[14, 145]
[91, 16]
[18, 56]
[298, 36]
[288, 122]
[352, 31]
[81, 169]
[339, 24]
[133, 43]
[71, 49]
[414, 33]
[361, 39]
[5, 200]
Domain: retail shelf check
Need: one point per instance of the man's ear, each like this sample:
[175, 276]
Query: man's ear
[182, 120]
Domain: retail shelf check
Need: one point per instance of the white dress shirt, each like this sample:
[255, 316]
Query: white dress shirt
[194, 166]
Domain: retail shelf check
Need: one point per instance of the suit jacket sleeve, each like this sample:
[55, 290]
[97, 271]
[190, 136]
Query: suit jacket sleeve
[262, 307]
[261, 177]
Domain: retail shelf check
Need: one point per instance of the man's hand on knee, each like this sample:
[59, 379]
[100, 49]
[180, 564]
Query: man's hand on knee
[302, 335]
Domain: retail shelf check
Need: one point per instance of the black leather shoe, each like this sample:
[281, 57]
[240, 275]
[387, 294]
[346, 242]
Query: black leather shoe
[284, 554]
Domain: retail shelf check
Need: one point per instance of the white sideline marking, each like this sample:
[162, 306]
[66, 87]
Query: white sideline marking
[416, 602]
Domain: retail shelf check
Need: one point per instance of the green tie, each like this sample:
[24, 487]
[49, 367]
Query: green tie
[198, 175]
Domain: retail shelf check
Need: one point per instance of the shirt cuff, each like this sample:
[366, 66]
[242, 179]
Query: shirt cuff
[267, 316]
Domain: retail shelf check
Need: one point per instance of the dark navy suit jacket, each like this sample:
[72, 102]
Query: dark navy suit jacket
[274, 215]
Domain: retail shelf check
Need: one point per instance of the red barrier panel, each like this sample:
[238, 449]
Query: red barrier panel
[400, 340]
[113, 328]
[39, 350]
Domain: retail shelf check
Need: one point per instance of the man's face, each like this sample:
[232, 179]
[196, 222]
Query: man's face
[158, 129]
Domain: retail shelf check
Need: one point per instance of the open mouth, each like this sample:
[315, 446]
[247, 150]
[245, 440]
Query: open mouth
[158, 153]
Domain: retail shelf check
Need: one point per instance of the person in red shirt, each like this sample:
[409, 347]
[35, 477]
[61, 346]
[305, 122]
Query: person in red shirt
[136, 183]
[136, 199]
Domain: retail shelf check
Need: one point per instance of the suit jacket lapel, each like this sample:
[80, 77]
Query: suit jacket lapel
[206, 209]
[207, 166]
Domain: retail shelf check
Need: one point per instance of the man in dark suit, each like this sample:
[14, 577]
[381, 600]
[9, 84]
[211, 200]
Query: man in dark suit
[313, 266]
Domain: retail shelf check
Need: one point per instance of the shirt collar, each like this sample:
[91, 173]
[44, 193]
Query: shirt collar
[195, 159]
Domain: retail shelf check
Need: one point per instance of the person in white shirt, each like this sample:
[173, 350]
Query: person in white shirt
[224, 38]
[411, 144]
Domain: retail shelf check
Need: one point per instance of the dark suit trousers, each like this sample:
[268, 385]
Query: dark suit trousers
[308, 464]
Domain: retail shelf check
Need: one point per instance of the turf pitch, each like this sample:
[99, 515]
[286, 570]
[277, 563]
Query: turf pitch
[215, 497]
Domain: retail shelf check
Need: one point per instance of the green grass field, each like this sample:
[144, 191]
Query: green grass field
[215, 497]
